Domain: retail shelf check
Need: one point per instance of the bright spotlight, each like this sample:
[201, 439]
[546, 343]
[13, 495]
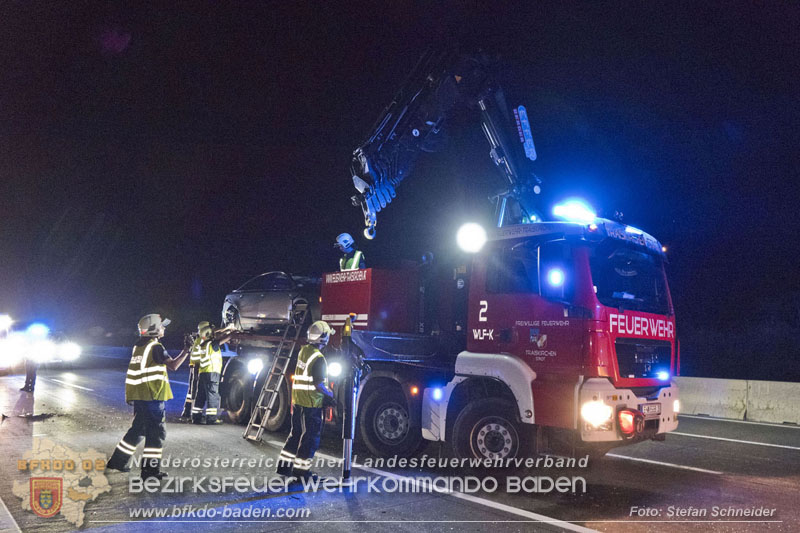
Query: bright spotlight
[575, 211]
[663, 376]
[69, 351]
[38, 330]
[555, 277]
[5, 321]
[254, 366]
[471, 237]
[437, 394]
[334, 370]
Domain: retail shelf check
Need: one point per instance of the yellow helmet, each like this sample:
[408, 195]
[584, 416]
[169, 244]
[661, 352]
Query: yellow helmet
[319, 332]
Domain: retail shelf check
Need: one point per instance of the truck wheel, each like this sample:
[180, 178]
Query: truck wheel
[488, 429]
[386, 426]
[238, 396]
[279, 417]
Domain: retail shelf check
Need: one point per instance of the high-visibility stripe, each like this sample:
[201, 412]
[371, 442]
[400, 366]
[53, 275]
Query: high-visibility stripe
[299, 386]
[287, 455]
[131, 447]
[211, 411]
[152, 449]
[300, 377]
[148, 370]
[145, 379]
[342, 318]
[125, 451]
[151, 456]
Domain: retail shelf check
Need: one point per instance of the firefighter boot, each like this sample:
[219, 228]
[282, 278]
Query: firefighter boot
[119, 461]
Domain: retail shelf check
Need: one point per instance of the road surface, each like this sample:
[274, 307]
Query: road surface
[708, 469]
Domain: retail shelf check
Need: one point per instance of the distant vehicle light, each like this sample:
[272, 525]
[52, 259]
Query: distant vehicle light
[335, 369]
[38, 330]
[43, 351]
[471, 237]
[664, 249]
[254, 366]
[575, 211]
[414, 390]
[437, 394]
[663, 376]
[596, 413]
[5, 321]
[555, 277]
[69, 351]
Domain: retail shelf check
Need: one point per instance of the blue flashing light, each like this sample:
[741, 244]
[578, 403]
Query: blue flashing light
[663, 376]
[575, 211]
[437, 394]
[38, 330]
[555, 277]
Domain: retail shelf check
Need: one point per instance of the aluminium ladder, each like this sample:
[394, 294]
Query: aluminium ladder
[277, 373]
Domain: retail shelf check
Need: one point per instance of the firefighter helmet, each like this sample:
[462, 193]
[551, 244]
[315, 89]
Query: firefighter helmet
[206, 332]
[345, 242]
[152, 325]
[201, 325]
[319, 332]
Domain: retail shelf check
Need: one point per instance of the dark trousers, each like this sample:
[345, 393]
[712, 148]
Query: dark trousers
[191, 393]
[207, 397]
[31, 367]
[148, 423]
[303, 440]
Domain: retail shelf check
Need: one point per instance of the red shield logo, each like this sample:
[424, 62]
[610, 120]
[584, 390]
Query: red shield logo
[46, 495]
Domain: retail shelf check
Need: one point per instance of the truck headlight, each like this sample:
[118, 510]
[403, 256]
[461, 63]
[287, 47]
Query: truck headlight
[334, 369]
[596, 413]
[254, 366]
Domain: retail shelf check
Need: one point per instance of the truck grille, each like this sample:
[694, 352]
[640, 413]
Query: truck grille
[640, 358]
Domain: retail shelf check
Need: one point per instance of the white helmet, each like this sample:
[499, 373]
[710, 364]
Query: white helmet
[152, 325]
[345, 242]
[206, 332]
[202, 325]
[320, 332]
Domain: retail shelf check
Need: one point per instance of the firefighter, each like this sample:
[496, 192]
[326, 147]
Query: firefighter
[352, 259]
[309, 390]
[209, 370]
[196, 353]
[147, 387]
[31, 367]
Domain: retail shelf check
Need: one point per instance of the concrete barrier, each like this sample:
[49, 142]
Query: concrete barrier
[723, 398]
[773, 401]
[739, 399]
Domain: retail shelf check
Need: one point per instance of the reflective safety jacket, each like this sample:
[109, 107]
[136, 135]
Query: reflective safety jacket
[146, 380]
[211, 359]
[196, 351]
[351, 263]
[304, 393]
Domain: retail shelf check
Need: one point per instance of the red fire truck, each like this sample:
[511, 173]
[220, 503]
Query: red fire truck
[556, 336]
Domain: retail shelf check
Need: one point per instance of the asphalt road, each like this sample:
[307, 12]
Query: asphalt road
[707, 464]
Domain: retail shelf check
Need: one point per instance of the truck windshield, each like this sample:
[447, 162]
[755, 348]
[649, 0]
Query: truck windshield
[628, 278]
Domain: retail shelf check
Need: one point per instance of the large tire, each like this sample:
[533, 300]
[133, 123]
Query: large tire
[280, 414]
[238, 396]
[386, 426]
[488, 429]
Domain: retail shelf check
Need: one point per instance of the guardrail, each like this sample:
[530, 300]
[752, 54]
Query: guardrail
[739, 399]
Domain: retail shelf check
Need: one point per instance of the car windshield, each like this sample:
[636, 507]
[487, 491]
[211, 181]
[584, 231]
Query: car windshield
[271, 281]
[628, 278]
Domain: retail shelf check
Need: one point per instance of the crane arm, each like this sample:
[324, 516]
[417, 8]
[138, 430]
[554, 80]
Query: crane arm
[412, 124]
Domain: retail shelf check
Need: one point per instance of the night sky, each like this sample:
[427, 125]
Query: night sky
[153, 158]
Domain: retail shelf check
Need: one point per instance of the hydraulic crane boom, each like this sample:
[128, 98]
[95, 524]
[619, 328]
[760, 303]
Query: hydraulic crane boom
[412, 122]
